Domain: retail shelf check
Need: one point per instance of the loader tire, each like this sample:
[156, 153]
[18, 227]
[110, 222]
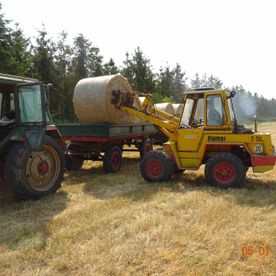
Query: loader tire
[225, 170]
[33, 174]
[156, 166]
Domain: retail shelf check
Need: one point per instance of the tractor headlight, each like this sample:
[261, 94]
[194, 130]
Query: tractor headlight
[258, 148]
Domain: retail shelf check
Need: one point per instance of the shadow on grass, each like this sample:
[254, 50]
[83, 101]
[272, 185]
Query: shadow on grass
[128, 183]
[25, 223]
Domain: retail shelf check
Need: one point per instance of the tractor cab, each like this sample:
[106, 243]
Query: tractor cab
[22, 106]
[31, 150]
[209, 109]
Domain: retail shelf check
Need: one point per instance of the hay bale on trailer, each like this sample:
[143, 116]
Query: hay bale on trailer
[92, 100]
[177, 109]
[167, 107]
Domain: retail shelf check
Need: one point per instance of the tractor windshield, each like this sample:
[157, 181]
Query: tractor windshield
[186, 116]
[30, 103]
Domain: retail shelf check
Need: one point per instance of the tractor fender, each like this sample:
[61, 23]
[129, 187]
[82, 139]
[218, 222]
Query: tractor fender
[52, 131]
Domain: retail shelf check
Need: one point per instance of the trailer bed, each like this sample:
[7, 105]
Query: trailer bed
[104, 142]
[104, 132]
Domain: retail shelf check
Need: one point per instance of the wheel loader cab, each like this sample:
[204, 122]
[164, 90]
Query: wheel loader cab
[203, 112]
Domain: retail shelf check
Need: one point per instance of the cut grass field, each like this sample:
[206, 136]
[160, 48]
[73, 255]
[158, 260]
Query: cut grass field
[99, 224]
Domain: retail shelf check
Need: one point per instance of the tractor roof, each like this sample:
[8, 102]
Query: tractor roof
[205, 90]
[11, 79]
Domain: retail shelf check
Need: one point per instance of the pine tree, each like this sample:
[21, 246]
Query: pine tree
[206, 81]
[110, 68]
[95, 62]
[43, 67]
[80, 63]
[66, 82]
[172, 83]
[138, 71]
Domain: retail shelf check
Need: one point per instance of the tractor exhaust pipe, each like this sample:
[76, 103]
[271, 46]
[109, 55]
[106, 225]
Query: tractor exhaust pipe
[255, 123]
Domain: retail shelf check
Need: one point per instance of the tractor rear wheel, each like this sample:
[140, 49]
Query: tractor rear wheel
[112, 160]
[33, 174]
[225, 170]
[156, 166]
[145, 147]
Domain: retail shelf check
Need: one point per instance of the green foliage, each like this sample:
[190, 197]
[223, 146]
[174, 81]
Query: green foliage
[14, 53]
[64, 65]
[206, 81]
[110, 68]
[138, 70]
[80, 62]
[158, 98]
[172, 83]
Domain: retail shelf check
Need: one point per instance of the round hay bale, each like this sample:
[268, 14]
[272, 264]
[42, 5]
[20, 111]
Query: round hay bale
[92, 100]
[177, 108]
[167, 107]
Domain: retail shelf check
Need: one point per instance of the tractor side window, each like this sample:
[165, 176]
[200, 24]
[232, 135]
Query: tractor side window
[187, 112]
[214, 111]
[30, 103]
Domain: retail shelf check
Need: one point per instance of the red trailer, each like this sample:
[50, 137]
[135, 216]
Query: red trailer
[104, 142]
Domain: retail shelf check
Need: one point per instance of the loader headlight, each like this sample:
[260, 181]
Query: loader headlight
[258, 148]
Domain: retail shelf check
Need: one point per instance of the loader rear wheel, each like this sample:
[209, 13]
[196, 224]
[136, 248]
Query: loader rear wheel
[33, 174]
[146, 146]
[156, 166]
[112, 159]
[225, 170]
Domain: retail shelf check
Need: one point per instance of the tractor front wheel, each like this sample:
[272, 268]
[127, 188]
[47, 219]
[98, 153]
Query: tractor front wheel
[225, 170]
[156, 166]
[33, 174]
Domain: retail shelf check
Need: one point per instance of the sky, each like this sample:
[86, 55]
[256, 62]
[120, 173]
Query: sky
[233, 40]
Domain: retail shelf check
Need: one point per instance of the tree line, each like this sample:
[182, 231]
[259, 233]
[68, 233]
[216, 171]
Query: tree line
[64, 64]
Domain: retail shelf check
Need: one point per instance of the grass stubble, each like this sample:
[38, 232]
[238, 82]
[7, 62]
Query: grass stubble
[99, 224]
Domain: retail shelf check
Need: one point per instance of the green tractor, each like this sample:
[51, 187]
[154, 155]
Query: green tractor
[31, 148]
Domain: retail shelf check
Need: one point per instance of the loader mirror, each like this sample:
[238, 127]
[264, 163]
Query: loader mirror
[232, 94]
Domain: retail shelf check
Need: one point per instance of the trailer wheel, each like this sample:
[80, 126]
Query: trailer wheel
[225, 170]
[146, 146]
[156, 166]
[33, 174]
[112, 160]
[73, 163]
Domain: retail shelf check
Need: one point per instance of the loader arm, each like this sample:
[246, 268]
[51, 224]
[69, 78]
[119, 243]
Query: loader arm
[165, 122]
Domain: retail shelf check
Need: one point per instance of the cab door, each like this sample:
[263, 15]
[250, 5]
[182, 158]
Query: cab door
[30, 113]
[191, 127]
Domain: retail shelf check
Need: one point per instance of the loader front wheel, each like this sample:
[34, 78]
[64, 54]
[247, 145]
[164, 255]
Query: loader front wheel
[33, 174]
[156, 166]
[225, 170]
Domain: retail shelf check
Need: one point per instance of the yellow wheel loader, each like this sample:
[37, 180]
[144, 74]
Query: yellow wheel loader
[206, 133]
